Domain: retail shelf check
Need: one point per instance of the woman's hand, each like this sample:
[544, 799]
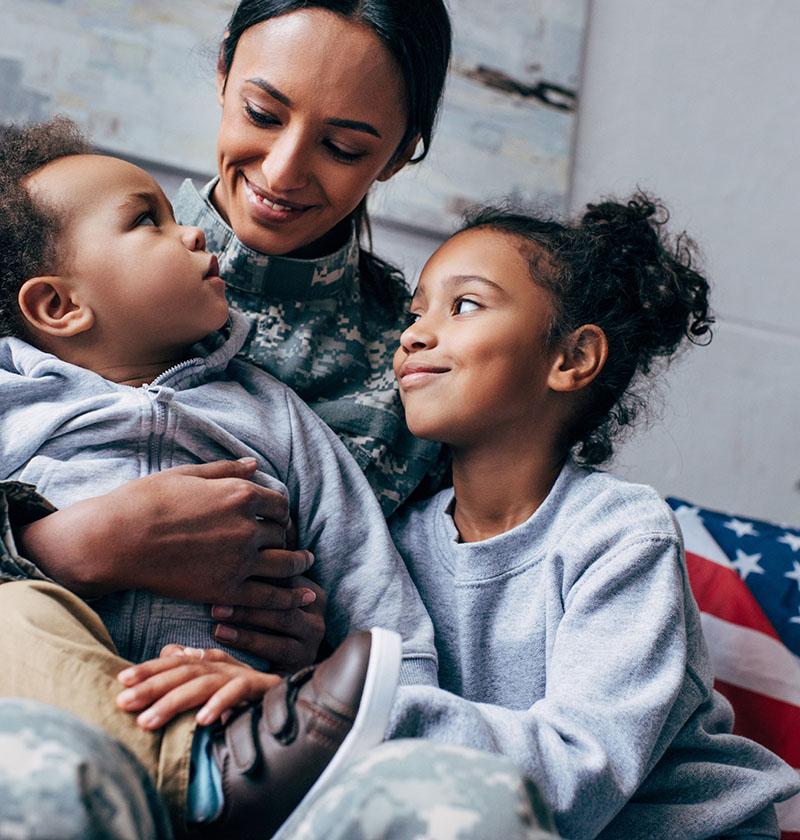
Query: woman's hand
[204, 533]
[288, 639]
[185, 678]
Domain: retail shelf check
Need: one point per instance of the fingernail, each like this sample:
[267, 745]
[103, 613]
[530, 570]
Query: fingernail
[126, 697]
[310, 557]
[126, 676]
[248, 461]
[227, 634]
[203, 716]
[148, 718]
[197, 653]
[308, 597]
[221, 612]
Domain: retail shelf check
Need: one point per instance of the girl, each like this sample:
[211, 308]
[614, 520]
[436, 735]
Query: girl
[567, 634]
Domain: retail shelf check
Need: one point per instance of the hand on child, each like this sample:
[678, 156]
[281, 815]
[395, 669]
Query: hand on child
[185, 678]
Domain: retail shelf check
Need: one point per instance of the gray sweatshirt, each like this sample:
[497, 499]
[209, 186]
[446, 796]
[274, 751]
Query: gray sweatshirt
[572, 644]
[74, 434]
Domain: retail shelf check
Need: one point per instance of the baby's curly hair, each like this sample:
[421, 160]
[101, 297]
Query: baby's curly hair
[615, 267]
[29, 230]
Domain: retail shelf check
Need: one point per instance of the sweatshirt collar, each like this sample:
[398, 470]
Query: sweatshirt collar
[250, 271]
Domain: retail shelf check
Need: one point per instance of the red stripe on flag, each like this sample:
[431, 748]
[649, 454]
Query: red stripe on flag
[771, 722]
[790, 835]
[722, 593]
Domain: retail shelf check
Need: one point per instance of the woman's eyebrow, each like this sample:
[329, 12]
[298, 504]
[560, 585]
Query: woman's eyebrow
[341, 122]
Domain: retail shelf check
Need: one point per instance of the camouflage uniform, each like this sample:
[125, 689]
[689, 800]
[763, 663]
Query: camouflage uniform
[314, 331]
[61, 778]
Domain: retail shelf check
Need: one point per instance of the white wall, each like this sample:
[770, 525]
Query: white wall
[699, 101]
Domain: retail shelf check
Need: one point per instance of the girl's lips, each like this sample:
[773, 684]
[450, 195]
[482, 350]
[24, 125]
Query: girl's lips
[269, 208]
[213, 267]
[416, 374]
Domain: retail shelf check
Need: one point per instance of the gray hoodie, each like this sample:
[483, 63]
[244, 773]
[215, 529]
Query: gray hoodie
[74, 435]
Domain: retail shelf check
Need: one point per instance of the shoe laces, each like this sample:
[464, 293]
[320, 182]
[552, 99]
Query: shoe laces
[288, 732]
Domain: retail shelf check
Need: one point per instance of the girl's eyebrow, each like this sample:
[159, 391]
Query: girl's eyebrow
[341, 122]
[456, 280]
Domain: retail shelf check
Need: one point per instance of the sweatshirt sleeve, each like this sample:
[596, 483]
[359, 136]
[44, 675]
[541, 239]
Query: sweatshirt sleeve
[20, 504]
[617, 691]
[340, 521]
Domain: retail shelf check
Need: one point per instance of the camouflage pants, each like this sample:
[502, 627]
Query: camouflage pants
[61, 778]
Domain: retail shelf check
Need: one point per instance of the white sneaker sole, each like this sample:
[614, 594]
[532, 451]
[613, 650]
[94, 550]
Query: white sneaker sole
[372, 718]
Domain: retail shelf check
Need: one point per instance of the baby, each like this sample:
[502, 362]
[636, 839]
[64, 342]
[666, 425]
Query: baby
[117, 361]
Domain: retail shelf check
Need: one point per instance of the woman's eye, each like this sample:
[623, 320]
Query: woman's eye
[464, 305]
[261, 118]
[342, 154]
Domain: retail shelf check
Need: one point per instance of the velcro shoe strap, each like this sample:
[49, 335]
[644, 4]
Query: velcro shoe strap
[241, 738]
[276, 712]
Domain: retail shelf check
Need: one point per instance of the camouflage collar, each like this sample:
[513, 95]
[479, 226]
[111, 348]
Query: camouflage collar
[251, 272]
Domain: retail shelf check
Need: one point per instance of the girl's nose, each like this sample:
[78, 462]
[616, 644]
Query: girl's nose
[417, 336]
[193, 238]
[285, 165]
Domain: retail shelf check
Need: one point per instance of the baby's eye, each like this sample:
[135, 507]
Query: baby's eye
[412, 318]
[147, 219]
[464, 305]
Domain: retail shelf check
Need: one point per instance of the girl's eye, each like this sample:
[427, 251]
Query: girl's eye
[464, 305]
[147, 219]
[257, 117]
[412, 318]
[341, 154]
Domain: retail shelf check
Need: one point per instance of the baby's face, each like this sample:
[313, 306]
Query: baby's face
[149, 281]
[474, 363]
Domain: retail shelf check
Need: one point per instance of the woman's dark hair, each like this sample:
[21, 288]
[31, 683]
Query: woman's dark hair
[615, 267]
[418, 36]
[29, 230]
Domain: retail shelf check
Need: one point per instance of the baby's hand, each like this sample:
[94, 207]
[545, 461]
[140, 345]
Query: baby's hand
[185, 678]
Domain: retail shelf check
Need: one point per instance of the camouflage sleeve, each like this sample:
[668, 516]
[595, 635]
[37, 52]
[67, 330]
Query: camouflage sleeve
[19, 505]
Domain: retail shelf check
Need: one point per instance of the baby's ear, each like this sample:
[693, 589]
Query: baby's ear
[582, 357]
[49, 305]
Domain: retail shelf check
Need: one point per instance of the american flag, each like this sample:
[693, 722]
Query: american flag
[745, 575]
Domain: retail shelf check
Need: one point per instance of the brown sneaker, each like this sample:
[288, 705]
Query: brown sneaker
[275, 753]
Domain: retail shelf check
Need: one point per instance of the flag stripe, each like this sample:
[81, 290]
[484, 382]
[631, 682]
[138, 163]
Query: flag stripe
[770, 722]
[751, 660]
[721, 592]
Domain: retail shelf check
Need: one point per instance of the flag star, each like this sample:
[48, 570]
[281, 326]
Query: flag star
[747, 563]
[795, 573]
[792, 540]
[742, 529]
[688, 511]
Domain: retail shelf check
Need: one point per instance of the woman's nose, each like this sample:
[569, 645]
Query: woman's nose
[193, 238]
[285, 165]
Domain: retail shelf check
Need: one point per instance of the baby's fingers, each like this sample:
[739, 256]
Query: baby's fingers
[187, 696]
[145, 670]
[242, 689]
[156, 684]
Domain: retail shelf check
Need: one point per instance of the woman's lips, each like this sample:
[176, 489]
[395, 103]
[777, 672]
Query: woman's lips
[269, 208]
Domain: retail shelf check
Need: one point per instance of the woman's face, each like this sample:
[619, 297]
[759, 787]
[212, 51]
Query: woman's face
[313, 110]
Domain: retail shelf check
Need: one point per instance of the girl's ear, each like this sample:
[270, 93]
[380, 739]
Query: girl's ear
[580, 361]
[398, 162]
[49, 306]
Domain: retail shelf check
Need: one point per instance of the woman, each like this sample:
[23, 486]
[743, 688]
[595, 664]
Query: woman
[300, 144]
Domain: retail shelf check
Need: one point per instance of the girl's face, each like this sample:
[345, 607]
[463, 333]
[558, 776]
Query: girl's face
[474, 364]
[313, 110]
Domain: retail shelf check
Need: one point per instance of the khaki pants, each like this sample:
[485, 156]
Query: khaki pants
[55, 649]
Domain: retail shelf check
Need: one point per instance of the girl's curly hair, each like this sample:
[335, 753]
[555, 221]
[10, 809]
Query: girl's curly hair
[615, 267]
[28, 230]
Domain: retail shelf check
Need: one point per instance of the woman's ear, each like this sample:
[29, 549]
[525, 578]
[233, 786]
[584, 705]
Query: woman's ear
[49, 306]
[399, 161]
[583, 355]
[222, 73]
